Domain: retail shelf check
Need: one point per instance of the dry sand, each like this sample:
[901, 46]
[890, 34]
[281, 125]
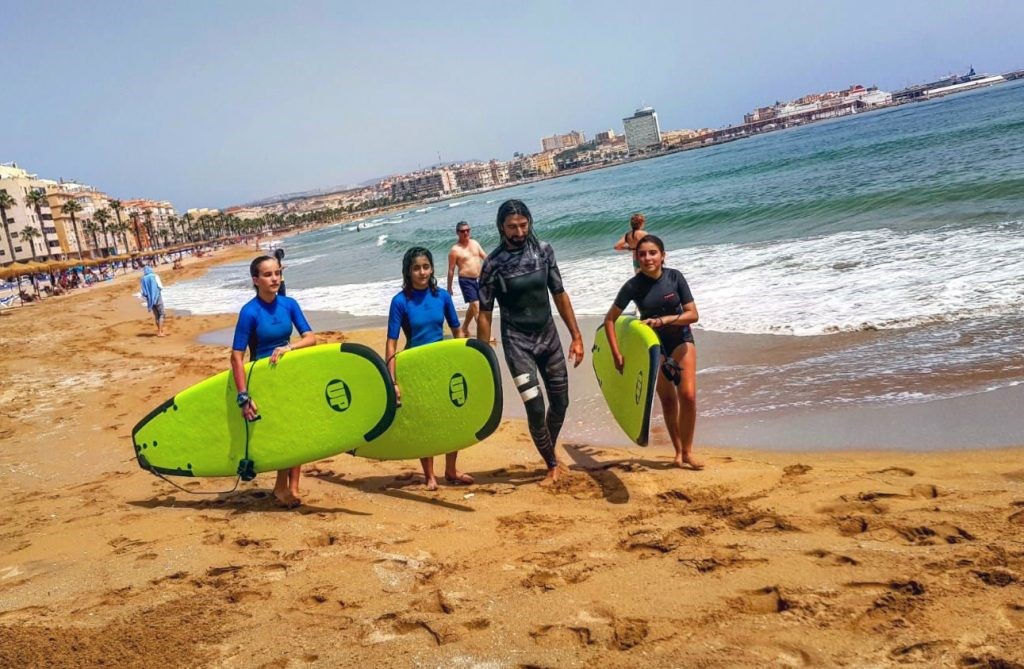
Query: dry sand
[763, 559]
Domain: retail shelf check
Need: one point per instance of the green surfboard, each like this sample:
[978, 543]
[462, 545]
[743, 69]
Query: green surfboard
[629, 395]
[451, 399]
[315, 403]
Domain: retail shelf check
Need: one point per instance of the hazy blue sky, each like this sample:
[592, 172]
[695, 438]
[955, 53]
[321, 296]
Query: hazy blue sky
[214, 104]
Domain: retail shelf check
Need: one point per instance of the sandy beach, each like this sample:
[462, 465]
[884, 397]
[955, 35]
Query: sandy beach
[766, 558]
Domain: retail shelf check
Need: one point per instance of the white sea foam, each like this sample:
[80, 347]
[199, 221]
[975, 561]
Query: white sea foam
[876, 279]
[458, 204]
[381, 240]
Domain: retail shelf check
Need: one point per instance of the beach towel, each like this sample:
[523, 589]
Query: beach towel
[151, 287]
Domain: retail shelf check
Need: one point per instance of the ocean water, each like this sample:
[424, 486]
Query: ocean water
[906, 224]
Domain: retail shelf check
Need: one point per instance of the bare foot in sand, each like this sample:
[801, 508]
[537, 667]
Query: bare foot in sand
[689, 462]
[458, 478]
[552, 478]
[431, 484]
[286, 499]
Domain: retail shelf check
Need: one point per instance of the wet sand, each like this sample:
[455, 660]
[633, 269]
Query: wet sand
[766, 558]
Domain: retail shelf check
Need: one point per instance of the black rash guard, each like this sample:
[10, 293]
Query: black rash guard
[656, 298]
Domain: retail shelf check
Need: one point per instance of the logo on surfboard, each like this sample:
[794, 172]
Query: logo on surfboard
[338, 395]
[639, 387]
[458, 391]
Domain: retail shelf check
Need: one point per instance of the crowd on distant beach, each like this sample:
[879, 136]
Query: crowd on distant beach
[522, 276]
[37, 286]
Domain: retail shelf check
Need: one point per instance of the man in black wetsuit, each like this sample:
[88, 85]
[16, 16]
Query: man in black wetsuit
[519, 274]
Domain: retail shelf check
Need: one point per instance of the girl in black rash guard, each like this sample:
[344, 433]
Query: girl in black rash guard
[663, 299]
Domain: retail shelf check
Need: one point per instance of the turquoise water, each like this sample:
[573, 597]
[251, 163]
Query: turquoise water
[907, 222]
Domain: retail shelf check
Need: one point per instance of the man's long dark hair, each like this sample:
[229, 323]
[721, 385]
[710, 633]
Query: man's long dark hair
[407, 260]
[511, 208]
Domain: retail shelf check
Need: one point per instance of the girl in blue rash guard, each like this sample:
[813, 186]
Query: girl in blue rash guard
[420, 311]
[665, 303]
[264, 328]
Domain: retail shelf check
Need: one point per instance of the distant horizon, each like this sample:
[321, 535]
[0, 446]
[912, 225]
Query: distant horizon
[217, 105]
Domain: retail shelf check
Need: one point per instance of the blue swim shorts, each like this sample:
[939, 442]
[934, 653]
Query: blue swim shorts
[470, 289]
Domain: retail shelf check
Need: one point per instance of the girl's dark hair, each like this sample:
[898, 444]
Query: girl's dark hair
[407, 260]
[511, 208]
[636, 221]
[654, 239]
[254, 267]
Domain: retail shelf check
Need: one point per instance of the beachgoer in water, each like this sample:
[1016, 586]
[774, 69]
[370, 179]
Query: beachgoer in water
[520, 274]
[279, 254]
[420, 310]
[152, 291]
[631, 239]
[265, 328]
[665, 303]
[467, 257]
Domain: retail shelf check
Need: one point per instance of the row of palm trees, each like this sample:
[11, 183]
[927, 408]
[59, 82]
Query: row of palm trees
[108, 224]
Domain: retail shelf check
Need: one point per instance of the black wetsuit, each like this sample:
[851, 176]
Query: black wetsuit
[520, 281]
[654, 298]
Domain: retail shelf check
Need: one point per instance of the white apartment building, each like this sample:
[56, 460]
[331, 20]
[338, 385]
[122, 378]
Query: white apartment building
[19, 183]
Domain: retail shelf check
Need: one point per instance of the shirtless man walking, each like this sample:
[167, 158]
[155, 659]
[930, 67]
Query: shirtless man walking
[468, 256]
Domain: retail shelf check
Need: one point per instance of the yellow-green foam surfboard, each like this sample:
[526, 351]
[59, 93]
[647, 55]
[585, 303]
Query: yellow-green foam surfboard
[629, 395]
[315, 403]
[451, 399]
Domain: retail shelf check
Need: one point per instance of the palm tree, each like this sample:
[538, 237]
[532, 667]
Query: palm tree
[172, 220]
[134, 216]
[186, 221]
[148, 215]
[36, 198]
[29, 234]
[117, 206]
[122, 229]
[71, 207]
[7, 202]
[103, 217]
[90, 228]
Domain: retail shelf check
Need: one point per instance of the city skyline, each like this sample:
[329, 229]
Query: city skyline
[209, 107]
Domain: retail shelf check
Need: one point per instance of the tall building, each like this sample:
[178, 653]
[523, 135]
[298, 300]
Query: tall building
[606, 136]
[24, 215]
[642, 131]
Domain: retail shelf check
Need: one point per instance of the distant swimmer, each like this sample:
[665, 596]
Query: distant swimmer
[420, 310]
[520, 274]
[631, 239]
[264, 328]
[665, 303]
[466, 256]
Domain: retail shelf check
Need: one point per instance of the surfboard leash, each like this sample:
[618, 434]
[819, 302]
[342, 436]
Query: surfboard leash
[198, 492]
[246, 467]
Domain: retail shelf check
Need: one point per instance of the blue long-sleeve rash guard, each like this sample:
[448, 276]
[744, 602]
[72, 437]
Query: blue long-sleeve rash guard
[264, 326]
[421, 316]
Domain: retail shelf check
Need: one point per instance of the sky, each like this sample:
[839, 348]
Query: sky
[213, 104]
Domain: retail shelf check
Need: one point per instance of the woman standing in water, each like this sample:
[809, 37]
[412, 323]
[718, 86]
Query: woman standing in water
[420, 310]
[631, 239]
[665, 303]
[265, 328]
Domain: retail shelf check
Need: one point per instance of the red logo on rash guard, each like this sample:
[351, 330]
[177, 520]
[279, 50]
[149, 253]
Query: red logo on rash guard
[670, 296]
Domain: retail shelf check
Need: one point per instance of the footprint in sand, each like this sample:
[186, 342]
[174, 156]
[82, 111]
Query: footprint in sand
[833, 558]
[996, 577]
[1014, 614]
[902, 471]
[936, 534]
